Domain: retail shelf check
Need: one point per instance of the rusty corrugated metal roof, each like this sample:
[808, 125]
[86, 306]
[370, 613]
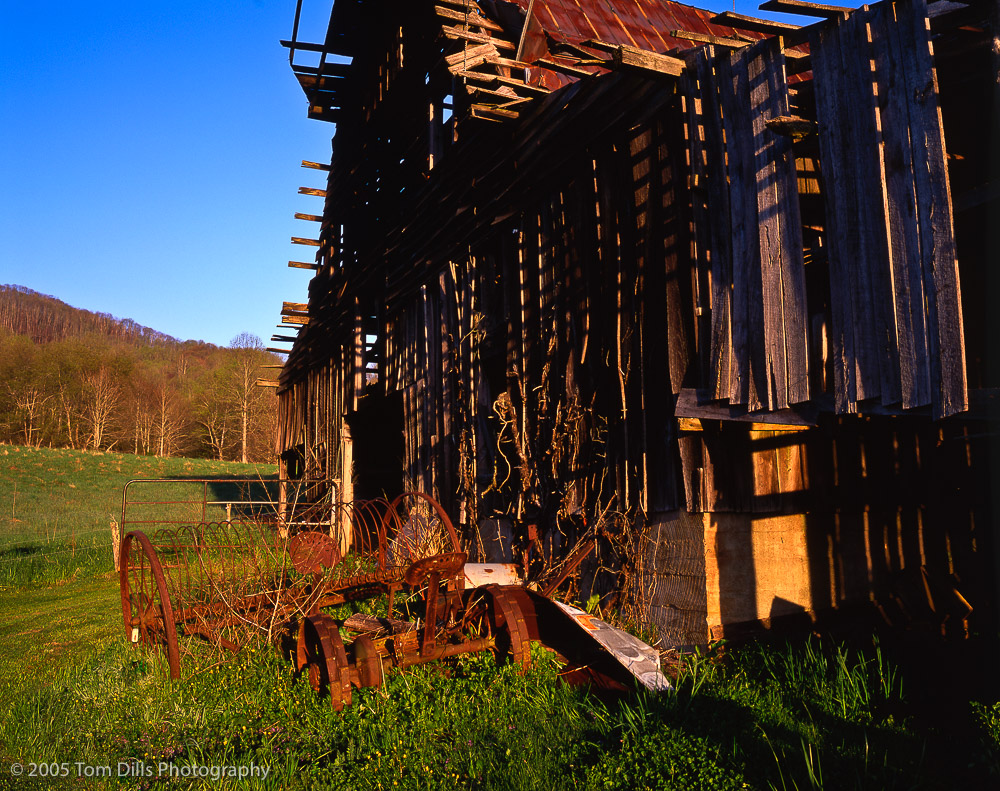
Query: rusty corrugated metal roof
[645, 24]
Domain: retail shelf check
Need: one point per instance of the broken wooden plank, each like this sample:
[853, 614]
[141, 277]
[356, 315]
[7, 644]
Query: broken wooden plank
[455, 33]
[312, 191]
[634, 58]
[468, 53]
[314, 165]
[791, 126]
[743, 22]
[302, 265]
[295, 306]
[491, 113]
[304, 241]
[310, 217]
[806, 9]
[563, 68]
[707, 38]
[469, 18]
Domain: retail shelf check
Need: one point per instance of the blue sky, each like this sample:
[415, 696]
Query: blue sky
[150, 158]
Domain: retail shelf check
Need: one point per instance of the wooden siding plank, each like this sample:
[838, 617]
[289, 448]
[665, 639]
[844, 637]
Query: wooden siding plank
[752, 387]
[901, 219]
[827, 70]
[949, 392]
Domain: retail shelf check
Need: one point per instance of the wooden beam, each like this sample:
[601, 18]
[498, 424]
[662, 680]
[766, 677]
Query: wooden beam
[266, 383]
[731, 43]
[302, 265]
[310, 217]
[743, 22]
[492, 113]
[296, 319]
[289, 313]
[784, 419]
[806, 9]
[305, 46]
[307, 242]
[695, 424]
[707, 38]
[314, 165]
[456, 33]
[283, 339]
[468, 18]
[469, 53]
[634, 58]
[792, 126]
[295, 306]
[563, 68]
[273, 366]
[278, 351]
[478, 76]
[312, 191]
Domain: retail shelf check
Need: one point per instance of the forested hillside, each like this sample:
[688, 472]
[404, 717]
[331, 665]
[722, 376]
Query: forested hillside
[76, 379]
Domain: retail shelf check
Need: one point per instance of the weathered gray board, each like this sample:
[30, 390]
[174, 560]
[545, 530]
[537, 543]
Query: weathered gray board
[747, 226]
[895, 296]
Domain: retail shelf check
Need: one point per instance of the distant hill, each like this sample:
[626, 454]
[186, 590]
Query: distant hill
[72, 378]
[45, 319]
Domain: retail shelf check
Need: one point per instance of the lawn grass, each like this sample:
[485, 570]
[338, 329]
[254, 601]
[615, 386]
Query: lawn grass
[57, 506]
[808, 714]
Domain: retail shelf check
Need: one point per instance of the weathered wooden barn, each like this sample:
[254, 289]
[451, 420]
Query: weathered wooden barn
[719, 285]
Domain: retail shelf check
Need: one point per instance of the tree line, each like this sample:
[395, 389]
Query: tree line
[75, 379]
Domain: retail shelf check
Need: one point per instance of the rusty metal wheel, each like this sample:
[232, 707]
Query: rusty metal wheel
[368, 661]
[489, 611]
[321, 656]
[149, 617]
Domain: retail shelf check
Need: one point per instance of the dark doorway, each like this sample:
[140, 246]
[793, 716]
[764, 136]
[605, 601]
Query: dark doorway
[377, 433]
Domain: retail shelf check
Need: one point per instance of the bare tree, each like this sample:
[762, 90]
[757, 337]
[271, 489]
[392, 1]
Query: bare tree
[244, 370]
[29, 401]
[102, 394]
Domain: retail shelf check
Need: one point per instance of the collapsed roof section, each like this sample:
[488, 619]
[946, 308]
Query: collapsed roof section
[509, 51]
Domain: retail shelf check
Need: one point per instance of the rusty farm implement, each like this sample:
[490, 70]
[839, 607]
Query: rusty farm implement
[265, 573]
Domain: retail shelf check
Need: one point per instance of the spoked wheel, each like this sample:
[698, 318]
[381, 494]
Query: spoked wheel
[149, 618]
[490, 612]
[321, 656]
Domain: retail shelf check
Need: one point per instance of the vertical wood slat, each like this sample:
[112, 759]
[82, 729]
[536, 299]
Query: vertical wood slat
[824, 49]
[901, 218]
[748, 383]
[949, 393]
[890, 182]
[693, 86]
[879, 345]
[866, 254]
[711, 176]
[780, 228]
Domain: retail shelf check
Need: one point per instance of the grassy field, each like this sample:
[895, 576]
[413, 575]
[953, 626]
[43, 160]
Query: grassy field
[78, 699]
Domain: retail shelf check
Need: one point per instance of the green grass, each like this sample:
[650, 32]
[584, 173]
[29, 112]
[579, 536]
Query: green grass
[788, 716]
[57, 506]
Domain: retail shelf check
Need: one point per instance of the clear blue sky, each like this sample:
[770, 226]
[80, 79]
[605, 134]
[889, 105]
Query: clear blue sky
[149, 158]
